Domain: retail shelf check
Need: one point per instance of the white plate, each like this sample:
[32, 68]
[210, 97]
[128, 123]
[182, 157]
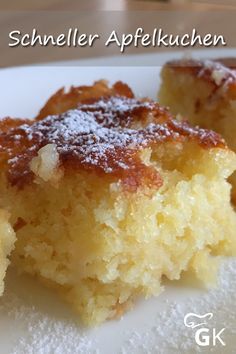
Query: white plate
[34, 320]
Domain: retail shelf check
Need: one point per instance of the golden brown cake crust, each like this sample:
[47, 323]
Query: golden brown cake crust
[206, 69]
[229, 62]
[105, 136]
[62, 101]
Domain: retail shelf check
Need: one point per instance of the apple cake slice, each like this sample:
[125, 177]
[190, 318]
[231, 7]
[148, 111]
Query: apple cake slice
[7, 234]
[204, 91]
[7, 240]
[111, 196]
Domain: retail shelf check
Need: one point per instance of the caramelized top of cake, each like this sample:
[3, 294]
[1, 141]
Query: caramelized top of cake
[105, 136]
[219, 72]
[62, 101]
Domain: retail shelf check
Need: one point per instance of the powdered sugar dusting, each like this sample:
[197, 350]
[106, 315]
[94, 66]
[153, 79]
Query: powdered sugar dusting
[164, 333]
[106, 135]
[220, 74]
[215, 72]
[168, 334]
[43, 334]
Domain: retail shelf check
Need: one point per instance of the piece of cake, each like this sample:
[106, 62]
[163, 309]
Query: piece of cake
[109, 198]
[7, 234]
[204, 92]
[62, 101]
[7, 240]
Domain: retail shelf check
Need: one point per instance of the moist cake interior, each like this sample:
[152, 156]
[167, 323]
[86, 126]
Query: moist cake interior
[108, 198]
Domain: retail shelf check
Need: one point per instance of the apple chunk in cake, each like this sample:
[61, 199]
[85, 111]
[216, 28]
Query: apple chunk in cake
[108, 198]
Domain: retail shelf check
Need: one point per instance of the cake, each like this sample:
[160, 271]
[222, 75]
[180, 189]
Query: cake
[62, 101]
[204, 92]
[111, 195]
[7, 240]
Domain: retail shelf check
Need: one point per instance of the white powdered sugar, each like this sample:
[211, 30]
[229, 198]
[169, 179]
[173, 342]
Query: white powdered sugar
[93, 134]
[43, 334]
[164, 333]
[107, 135]
[168, 334]
[219, 73]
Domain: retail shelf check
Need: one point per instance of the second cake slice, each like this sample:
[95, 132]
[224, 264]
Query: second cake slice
[204, 92]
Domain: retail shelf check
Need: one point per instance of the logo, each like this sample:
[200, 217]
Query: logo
[203, 336]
